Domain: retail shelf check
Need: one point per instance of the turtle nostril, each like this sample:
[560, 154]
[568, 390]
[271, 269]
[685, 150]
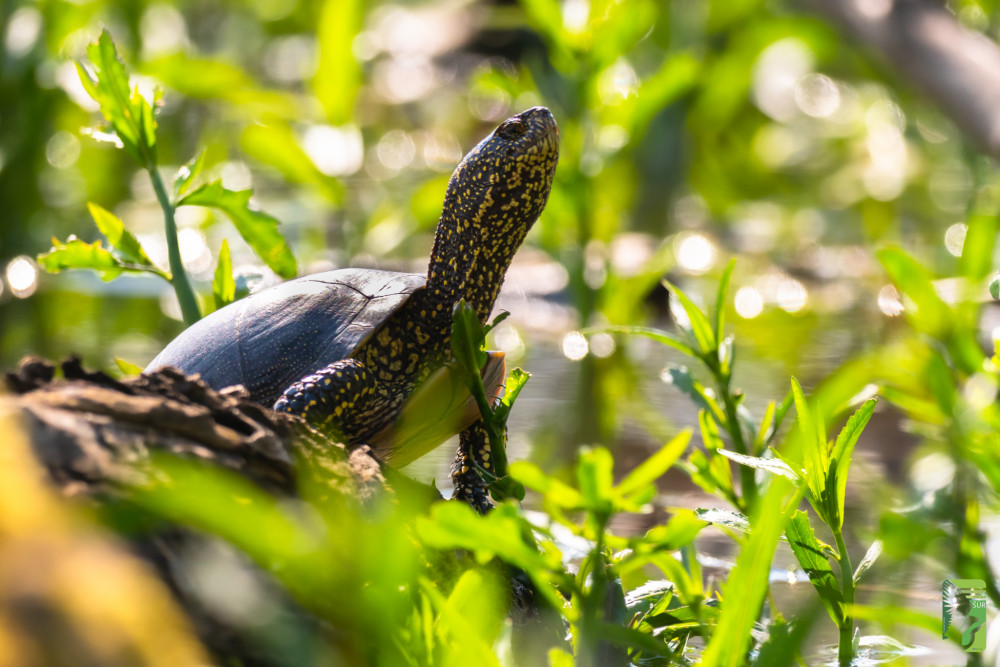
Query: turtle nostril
[512, 129]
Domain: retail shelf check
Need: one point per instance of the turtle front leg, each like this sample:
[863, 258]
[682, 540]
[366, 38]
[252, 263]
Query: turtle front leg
[473, 449]
[331, 398]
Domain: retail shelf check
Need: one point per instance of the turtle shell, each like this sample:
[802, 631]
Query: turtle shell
[273, 338]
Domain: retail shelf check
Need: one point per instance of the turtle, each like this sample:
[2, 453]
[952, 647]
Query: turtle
[345, 349]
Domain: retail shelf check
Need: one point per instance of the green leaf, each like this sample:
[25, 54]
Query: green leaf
[677, 76]
[679, 532]
[560, 658]
[219, 79]
[720, 300]
[551, 489]
[655, 334]
[980, 240]
[932, 316]
[516, 381]
[724, 518]
[656, 465]
[711, 437]
[840, 456]
[471, 619]
[812, 556]
[187, 174]
[700, 326]
[130, 114]
[712, 474]
[258, 229]
[594, 476]
[127, 367]
[815, 460]
[77, 254]
[743, 592]
[338, 74]
[874, 551]
[501, 316]
[774, 466]
[127, 246]
[546, 17]
[766, 422]
[779, 418]
[275, 144]
[507, 487]
[223, 285]
[680, 377]
[499, 534]
[467, 339]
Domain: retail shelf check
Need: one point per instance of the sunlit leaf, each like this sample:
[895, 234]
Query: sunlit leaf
[553, 490]
[127, 246]
[932, 315]
[679, 532]
[723, 518]
[223, 285]
[720, 300]
[257, 228]
[467, 339]
[499, 533]
[655, 334]
[700, 326]
[713, 474]
[546, 17]
[775, 466]
[127, 367]
[678, 75]
[594, 476]
[518, 378]
[338, 73]
[187, 174]
[656, 465]
[874, 551]
[77, 254]
[840, 456]
[130, 114]
[815, 460]
[743, 592]
[560, 658]
[471, 618]
[813, 557]
[220, 79]
[711, 437]
[681, 377]
[275, 144]
[977, 251]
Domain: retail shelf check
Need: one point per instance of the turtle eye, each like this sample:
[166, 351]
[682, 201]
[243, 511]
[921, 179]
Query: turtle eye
[512, 129]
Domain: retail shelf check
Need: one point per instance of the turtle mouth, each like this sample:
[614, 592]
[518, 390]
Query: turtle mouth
[531, 131]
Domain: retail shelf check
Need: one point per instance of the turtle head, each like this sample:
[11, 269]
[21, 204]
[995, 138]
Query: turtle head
[494, 197]
[503, 183]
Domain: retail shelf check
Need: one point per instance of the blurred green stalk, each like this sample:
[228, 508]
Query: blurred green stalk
[845, 647]
[178, 276]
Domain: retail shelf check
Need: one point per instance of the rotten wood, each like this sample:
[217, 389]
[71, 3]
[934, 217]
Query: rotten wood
[92, 432]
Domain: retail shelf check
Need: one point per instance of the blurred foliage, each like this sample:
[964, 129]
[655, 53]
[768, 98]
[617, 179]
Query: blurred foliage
[691, 132]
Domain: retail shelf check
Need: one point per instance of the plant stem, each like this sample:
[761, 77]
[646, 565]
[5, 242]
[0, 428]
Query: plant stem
[748, 482]
[179, 279]
[845, 649]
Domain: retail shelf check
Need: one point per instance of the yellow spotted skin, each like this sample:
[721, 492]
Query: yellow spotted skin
[494, 197]
[473, 448]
